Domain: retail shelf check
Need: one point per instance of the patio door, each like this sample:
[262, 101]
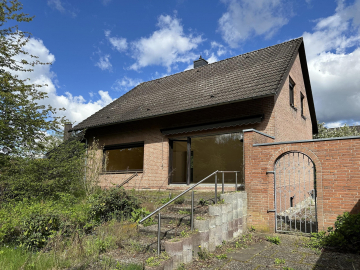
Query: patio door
[193, 159]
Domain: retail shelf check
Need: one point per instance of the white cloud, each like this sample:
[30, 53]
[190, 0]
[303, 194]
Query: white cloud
[77, 107]
[220, 48]
[125, 84]
[58, 5]
[104, 62]
[333, 52]
[166, 47]
[246, 18]
[120, 44]
[212, 58]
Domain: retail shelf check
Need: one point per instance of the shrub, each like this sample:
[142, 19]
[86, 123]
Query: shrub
[112, 203]
[37, 229]
[345, 236]
[61, 171]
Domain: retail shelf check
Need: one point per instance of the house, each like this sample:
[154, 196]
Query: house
[176, 130]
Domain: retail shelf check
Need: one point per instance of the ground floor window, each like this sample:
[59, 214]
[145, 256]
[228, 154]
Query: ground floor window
[124, 158]
[201, 156]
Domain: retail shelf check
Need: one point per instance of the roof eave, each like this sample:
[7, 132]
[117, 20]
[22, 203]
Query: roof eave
[172, 113]
[307, 83]
[306, 78]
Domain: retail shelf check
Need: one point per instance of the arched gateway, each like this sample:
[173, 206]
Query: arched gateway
[295, 193]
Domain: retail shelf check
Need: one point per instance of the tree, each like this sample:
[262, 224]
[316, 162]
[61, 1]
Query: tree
[23, 122]
[344, 131]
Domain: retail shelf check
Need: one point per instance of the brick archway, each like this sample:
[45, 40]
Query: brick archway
[318, 169]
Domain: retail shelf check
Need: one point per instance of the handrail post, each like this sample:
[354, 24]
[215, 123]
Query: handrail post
[215, 188]
[192, 210]
[223, 182]
[235, 181]
[159, 234]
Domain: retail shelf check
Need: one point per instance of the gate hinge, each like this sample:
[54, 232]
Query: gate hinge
[268, 172]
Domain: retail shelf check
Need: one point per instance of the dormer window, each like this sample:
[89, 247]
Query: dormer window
[291, 92]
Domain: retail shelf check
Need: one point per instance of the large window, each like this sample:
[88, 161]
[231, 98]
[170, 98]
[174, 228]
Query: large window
[221, 152]
[124, 158]
[207, 154]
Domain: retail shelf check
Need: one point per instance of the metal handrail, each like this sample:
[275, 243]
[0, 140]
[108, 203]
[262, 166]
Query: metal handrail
[182, 193]
[127, 180]
[192, 201]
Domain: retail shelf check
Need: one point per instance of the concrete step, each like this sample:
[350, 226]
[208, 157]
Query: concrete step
[168, 231]
[186, 209]
[174, 218]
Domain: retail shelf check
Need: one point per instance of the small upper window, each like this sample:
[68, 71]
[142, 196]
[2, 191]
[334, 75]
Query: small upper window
[291, 92]
[124, 158]
[302, 103]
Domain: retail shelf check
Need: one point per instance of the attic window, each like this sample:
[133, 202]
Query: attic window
[291, 92]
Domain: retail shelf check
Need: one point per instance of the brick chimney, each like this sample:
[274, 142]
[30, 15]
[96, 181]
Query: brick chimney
[200, 62]
[67, 127]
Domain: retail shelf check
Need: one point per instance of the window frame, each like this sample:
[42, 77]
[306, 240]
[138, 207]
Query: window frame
[123, 146]
[292, 92]
[302, 97]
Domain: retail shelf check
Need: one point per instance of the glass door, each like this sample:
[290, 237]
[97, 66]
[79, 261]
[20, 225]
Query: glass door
[179, 162]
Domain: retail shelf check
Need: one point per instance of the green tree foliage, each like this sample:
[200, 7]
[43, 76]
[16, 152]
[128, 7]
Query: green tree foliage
[343, 131]
[23, 122]
[61, 171]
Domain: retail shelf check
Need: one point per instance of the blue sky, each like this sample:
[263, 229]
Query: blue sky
[101, 49]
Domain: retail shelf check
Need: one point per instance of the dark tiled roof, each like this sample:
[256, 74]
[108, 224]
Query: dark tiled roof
[251, 75]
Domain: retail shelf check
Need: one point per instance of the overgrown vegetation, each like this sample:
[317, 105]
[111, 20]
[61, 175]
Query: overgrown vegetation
[345, 236]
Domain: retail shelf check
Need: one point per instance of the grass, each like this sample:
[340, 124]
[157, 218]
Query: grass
[78, 251]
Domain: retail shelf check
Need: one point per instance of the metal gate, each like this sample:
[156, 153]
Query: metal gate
[295, 193]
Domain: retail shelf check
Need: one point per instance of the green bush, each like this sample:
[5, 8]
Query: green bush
[345, 236]
[62, 171]
[112, 203]
[30, 223]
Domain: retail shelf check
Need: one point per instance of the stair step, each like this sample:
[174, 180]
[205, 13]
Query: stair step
[167, 231]
[175, 218]
[187, 208]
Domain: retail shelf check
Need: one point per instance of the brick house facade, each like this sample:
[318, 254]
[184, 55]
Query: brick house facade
[249, 91]
[240, 114]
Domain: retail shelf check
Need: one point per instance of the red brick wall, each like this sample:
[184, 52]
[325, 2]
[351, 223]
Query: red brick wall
[289, 124]
[156, 145]
[337, 165]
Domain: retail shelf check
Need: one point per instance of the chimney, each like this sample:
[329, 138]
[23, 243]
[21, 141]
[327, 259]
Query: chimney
[67, 127]
[200, 62]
